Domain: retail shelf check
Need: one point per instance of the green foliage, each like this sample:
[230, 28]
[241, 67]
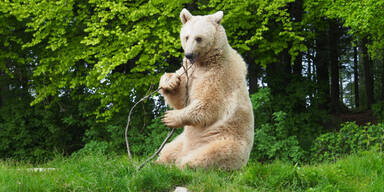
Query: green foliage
[115, 49]
[82, 65]
[261, 18]
[363, 18]
[273, 142]
[112, 48]
[280, 134]
[95, 147]
[106, 138]
[350, 139]
[35, 133]
[21, 138]
[157, 133]
[262, 106]
[378, 111]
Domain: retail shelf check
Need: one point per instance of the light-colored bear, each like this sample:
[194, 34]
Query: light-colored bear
[218, 118]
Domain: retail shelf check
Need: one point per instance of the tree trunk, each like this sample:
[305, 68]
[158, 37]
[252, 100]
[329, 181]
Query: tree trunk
[321, 61]
[333, 35]
[253, 74]
[356, 77]
[382, 80]
[296, 11]
[368, 73]
[310, 73]
[309, 67]
[279, 74]
[4, 88]
[341, 88]
[297, 65]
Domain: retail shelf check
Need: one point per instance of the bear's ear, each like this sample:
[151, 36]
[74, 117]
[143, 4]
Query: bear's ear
[185, 15]
[217, 17]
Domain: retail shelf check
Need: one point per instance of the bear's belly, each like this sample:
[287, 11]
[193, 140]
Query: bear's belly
[228, 129]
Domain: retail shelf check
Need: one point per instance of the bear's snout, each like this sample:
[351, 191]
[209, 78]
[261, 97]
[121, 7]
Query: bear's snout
[190, 56]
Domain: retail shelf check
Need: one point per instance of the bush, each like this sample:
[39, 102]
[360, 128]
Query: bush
[350, 139]
[272, 141]
[378, 111]
[95, 147]
[36, 133]
[157, 132]
[278, 134]
[110, 138]
[108, 134]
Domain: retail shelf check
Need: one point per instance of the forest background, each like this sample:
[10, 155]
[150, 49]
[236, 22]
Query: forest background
[70, 71]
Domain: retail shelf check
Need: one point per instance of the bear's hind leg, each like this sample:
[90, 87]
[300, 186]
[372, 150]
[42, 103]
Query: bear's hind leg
[171, 151]
[223, 154]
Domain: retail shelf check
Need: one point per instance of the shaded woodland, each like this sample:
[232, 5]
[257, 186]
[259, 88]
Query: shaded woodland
[71, 70]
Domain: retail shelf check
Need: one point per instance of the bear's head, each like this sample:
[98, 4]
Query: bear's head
[201, 34]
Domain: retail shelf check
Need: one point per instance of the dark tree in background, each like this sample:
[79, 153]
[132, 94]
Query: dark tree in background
[367, 73]
[356, 77]
[334, 36]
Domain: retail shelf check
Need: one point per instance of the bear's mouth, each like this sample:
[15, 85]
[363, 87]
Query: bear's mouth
[191, 57]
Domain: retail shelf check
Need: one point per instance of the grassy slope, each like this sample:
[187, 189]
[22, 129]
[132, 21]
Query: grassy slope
[364, 172]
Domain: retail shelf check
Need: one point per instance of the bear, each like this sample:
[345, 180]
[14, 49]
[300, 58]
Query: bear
[217, 114]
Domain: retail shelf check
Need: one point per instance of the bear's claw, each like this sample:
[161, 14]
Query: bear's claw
[170, 119]
[169, 81]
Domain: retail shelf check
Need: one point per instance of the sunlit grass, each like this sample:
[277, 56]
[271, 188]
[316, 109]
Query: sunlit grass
[359, 172]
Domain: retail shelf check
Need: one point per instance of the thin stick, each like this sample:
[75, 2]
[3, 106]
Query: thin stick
[158, 150]
[169, 134]
[129, 120]
[173, 129]
[186, 86]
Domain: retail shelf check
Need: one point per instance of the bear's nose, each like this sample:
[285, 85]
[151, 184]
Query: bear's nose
[189, 56]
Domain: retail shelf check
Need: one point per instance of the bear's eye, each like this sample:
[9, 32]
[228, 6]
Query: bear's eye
[198, 39]
[186, 38]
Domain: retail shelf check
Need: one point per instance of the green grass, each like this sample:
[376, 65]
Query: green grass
[359, 172]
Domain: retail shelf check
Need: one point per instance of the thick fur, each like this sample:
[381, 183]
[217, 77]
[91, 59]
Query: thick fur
[218, 119]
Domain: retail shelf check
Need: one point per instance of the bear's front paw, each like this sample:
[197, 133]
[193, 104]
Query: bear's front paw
[169, 82]
[172, 119]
